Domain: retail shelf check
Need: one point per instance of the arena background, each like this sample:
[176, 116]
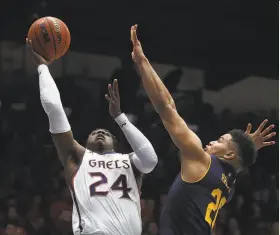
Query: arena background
[218, 58]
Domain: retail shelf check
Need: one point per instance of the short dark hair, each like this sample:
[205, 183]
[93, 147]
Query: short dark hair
[246, 147]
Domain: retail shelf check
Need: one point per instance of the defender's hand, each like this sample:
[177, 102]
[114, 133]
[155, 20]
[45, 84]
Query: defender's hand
[38, 59]
[137, 53]
[261, 136]
[114, 99]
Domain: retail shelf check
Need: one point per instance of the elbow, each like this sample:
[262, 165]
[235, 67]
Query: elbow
[148, 159]
[52, 105]
[149, 168]
[152, 164]
[164, 106]
[50, 98]
[166, 111]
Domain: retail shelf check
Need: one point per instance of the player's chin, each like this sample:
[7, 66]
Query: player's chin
[100, 142]
[207, 149]
[94, 143]
[211, 151]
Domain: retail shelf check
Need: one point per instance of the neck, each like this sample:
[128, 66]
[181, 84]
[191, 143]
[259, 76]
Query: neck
[101, 149]
[104, 151]
[232, 163]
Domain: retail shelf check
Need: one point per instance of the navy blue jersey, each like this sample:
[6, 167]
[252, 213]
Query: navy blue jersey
[192, 208]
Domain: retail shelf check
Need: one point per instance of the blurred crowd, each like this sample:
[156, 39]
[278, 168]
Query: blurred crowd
[34, 199]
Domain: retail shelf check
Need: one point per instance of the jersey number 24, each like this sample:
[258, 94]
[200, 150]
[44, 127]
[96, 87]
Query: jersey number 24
[214, 207]
[120, 184]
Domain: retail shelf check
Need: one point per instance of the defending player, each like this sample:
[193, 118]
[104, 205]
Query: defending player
[101, 181]
[207, 177]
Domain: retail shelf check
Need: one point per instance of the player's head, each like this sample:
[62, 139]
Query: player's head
[235, 147]
[101, 140]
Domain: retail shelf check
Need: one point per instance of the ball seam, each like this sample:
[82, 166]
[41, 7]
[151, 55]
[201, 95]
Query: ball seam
[54, 41]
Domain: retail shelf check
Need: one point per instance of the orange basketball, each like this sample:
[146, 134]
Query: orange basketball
[50, 37]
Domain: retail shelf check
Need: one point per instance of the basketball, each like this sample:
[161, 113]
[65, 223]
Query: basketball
[50, 37]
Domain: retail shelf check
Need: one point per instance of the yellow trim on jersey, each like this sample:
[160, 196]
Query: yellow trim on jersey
[201, 177]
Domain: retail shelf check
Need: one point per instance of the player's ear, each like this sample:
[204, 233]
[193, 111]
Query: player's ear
[230, 155]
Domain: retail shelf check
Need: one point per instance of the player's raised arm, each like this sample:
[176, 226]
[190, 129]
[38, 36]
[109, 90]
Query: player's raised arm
[144, 157]
[185, 139]
[59, 126]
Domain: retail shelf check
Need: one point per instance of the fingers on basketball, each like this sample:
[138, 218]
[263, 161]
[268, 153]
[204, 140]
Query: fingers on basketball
[29, 45]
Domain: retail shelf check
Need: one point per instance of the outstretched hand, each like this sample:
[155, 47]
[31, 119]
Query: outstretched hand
[114, 99]
[38, 59]
[137, 53]
[261, 136]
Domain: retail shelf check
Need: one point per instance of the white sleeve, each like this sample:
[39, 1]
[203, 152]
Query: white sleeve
[51, 102]
[144, 157]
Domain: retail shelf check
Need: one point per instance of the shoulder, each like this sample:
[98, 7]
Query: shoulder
[79, 150]
[194, 170]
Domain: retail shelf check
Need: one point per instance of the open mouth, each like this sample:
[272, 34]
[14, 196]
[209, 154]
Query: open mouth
[207, 147]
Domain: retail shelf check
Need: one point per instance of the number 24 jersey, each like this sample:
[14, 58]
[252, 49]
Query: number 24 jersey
[105, 196]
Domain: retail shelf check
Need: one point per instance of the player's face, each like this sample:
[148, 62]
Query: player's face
[220, 147]
[101, 138]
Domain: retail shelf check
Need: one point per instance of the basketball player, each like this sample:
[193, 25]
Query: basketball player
[207, 177]
[101, 181]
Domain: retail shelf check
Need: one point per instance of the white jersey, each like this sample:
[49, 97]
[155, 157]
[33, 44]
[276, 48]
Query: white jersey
[105, 197]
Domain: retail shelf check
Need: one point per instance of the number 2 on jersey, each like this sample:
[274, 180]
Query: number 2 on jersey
[119, 184]
[214, 207]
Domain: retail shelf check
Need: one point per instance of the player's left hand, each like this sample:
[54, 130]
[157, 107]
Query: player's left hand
[114, 99]
[261, 136]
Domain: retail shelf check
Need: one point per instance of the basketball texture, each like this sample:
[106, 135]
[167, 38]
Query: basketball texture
[50, 37]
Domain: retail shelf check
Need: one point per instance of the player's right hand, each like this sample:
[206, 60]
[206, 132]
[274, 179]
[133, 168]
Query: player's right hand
[38, 59]
[137, 53]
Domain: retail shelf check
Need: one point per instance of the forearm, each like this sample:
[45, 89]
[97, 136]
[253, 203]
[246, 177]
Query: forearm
[156, 90]
[51, 102]
[145, 158]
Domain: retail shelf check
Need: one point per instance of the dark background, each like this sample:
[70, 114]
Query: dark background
[229, 40]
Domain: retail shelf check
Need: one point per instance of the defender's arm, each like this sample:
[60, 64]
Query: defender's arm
[59, 126]
[185, 139]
